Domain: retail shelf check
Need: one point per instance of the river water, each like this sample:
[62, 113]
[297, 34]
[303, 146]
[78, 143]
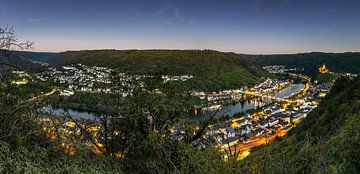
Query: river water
[71, 112]
[230, 110]
[226, 110]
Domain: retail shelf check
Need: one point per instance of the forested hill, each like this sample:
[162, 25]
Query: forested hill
[195, 62]
[326, 141]
[199, 62]
[213, 70]
[337, 62]
[35, 56]
[16, 63]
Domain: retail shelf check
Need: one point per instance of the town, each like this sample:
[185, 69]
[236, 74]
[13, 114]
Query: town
[241, 131]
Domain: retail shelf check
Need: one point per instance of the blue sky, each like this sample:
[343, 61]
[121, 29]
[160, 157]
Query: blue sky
[243, 26]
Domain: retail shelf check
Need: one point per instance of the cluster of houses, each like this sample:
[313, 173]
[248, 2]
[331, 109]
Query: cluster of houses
[95, 79]
[78, 77]
[267, 86]
[168, 78]
[275, 69]
[22, 78]
[270, 85]
[280, 69]
[262, 124]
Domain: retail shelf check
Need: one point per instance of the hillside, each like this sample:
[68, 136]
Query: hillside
[336, 62]
[177, 62]
[327, 141]
[212, 69]
[36, 56]
[16, 63]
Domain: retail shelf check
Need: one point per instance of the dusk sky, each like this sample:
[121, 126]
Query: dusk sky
[242, 26]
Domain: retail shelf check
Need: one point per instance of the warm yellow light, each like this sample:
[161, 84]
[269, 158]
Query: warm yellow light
[70, 124]
[323, 69]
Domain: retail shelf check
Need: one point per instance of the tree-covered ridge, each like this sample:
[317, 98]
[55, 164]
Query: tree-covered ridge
[213, 70]
[195, 62]
[336, 62]
[327, 141]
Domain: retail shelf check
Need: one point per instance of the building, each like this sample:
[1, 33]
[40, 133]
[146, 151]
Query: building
[230, 132]
[323, 69]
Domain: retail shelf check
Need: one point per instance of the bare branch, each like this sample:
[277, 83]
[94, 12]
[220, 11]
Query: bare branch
[10, 42]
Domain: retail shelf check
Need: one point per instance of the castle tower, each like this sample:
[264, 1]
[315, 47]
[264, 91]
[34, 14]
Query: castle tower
[323, 69]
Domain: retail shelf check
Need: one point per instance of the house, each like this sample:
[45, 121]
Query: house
[263, 123]
[259, 131]
[229, 132]
[276, 109]
[244, 130]
[229, 142]
[267, 111]
[273, 121]
[66, 93]
[296, 116]
[242, 122]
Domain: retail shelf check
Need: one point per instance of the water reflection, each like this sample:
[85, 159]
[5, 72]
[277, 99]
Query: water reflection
[226, 110]
[73, 113]
[230, 110]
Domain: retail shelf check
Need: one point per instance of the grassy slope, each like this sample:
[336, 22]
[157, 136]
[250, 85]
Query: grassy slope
[327, 141]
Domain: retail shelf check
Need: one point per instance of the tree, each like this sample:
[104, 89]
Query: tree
[140, 130]
[9, 41]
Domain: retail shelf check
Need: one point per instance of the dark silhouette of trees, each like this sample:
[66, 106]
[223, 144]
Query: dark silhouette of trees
[9, 41]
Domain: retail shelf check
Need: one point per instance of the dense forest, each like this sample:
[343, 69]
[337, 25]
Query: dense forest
[16, 63]
[336, 62]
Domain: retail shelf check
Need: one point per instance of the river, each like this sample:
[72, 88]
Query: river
[73, 113]
[230, 110]
[226, 110]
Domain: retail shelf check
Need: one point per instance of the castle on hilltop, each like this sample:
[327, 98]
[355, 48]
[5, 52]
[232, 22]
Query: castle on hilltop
[323, 69]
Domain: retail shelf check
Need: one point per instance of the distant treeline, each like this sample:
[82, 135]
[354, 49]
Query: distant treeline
[336, 62]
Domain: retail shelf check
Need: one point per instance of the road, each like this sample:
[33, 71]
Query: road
[259, 141]
[44, 95]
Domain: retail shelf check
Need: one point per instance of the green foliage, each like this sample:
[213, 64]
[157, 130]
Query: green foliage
[39, 160]
[87, 101]
[325, 78]
[17, 118]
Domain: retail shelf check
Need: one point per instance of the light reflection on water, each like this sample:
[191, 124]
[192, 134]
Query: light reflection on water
[259, 102]
[226, 110]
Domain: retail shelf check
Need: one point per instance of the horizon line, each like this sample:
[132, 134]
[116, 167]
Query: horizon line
[194, 49]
